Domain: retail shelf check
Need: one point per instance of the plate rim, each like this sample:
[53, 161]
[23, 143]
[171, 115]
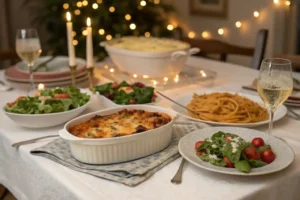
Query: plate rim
[229, 124]
[235, 173]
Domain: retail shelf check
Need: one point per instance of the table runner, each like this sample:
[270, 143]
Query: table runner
[129, 173]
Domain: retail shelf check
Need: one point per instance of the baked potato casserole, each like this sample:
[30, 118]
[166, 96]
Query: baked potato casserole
[122, 123]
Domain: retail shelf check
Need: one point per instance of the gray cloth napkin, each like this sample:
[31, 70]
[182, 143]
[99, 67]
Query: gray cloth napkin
[129, 173]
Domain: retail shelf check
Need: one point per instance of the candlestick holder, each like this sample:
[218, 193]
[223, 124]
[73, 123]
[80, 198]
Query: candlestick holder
[91, 76]
[73, 74]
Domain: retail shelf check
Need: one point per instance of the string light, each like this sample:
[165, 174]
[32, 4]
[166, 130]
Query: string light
[75, 42]
[276, 1]
[191, 34]
[166, 79]
[132, 26]
[77, 12]
[108, 37]
[99, 1]
[170, 27]
[84, 32]
[112, 9]
[145, 76]
[238, 24]
[73, 33]
[101, 31]
[256, 14]
[147, 34]
[154, 82]
[106, 66]
[66, 6]
[205, 34]
[220, 31]
[156, 1]
[85, 3]
[128, 17]
[79, 4]
[143, 3]
[41, 87]
[288, 3]
[112, 70]
[95, 6]
[135, 76]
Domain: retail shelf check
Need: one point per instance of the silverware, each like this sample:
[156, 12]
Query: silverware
[17, 144]
[177, 103]
[44, 63]
[178, 176]
[294, 113]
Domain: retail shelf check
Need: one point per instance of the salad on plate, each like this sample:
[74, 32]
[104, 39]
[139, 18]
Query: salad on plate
[49, 101]
[230, 150]
[124, 93]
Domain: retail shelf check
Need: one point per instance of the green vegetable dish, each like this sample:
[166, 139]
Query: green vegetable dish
[230, 150]
[124, 93]
[49, 101]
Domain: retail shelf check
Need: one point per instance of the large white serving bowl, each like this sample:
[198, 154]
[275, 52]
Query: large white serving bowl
[119, 149]
[152, 64]
[45, 120]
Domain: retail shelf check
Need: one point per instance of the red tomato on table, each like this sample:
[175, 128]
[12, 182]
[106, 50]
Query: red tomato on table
[251, 153]
[268, 156]
[258, 142]
[228, 163]
[61, 96]
[198, 144]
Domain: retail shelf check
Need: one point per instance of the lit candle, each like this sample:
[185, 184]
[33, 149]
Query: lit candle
[71, 50]
[89, 44]
[41, 87]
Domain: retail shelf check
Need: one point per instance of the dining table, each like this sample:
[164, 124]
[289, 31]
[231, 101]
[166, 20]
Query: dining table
[31, 177]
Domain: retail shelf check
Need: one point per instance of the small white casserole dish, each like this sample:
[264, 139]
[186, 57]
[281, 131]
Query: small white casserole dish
[118, 149]
[153, 64]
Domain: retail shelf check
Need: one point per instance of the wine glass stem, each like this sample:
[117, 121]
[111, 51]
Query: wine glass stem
[271, 121]
[31, 88]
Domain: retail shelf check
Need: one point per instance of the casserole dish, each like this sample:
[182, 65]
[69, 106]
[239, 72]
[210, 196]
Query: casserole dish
[118, 149]
[152, 64]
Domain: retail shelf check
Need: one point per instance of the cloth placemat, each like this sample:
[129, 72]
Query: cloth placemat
[129, 173]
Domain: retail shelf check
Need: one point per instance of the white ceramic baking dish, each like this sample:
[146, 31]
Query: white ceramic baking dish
[120, 149]
[153, 64]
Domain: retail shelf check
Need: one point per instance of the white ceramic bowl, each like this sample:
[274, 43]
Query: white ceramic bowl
[120, 149]
[45, 120]
[154, 64]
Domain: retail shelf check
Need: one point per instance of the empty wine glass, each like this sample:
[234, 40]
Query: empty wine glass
[28, 48]
[275, 84]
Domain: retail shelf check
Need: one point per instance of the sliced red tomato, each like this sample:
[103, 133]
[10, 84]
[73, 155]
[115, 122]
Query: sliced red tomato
[61, 96]
[10, 104]
[115, 85]
[251, 153]
[228, 163]
[199, 153]
[227, 138]
[258, 142]
[268, 156]
[198, 144]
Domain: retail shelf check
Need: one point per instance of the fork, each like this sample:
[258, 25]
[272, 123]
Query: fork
[178, 176]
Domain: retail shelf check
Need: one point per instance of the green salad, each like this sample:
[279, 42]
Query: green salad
[124, 93]
[49, 101]
[230, 150]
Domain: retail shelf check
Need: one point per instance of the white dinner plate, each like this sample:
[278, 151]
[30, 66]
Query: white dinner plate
[284, 153]
[185, 100]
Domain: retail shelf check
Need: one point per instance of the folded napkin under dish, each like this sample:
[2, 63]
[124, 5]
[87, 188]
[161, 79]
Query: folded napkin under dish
[129, 173]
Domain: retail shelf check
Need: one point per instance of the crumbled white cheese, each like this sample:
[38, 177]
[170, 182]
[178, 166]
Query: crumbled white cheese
[236, 139]
[126, 89]
[213, 156]
[214, 146]
[234, 150]
[44, 98]
[209, 140]
[234, 147]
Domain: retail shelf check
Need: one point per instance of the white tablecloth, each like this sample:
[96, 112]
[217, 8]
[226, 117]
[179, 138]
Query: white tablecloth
[32, 177]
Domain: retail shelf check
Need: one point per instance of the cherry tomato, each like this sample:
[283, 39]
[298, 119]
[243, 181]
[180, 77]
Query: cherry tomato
[251, 153]
[199, 153]
[109, 96]
[198, 144]
[132, 101]
[268, 156]
[61, 96]
[16, 101]
[139, 84]
[115, 85]
[258, 142]
[228, 163]
[227, 138]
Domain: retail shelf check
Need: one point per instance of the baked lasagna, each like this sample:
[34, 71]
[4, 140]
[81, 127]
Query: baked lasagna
[122, 123]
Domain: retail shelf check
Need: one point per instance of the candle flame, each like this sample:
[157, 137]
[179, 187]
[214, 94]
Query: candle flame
[88, 21]
[68, 15]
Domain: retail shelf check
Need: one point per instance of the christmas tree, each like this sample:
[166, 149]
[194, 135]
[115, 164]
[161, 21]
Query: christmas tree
[110, 19]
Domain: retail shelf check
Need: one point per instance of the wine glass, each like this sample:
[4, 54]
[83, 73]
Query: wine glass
[275, 84]
[28, 48]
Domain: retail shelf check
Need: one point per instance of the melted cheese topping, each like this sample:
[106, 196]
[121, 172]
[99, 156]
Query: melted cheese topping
[125, 122]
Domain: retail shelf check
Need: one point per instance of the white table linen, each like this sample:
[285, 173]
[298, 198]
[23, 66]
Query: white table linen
[32, 177]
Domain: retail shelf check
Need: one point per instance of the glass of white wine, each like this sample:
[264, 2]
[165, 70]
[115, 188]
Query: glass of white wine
[275, 84]
[28, 48]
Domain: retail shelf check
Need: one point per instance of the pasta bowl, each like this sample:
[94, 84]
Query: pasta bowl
[118, 149]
